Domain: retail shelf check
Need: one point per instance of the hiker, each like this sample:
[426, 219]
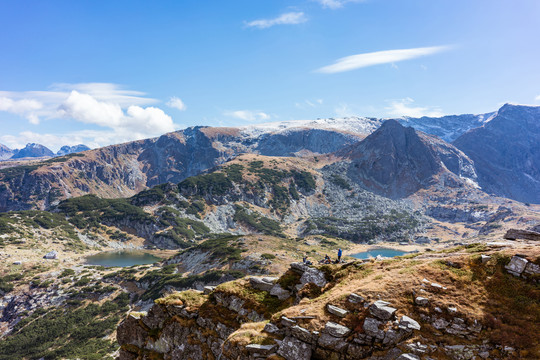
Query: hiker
[339, 253]
[327, 259]
[306, 261]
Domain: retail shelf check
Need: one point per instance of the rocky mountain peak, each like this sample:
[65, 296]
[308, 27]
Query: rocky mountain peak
[33, 150]
[5, 152]
[505, 151]
[396, 161]
[66, 149]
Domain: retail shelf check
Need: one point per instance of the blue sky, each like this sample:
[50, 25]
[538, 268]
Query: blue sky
[102, 72]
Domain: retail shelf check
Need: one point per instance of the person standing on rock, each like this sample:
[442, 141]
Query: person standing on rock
[339, 253]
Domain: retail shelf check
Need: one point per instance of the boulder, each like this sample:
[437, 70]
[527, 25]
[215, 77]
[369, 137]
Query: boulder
[314, 276]
[280, 292]
[371, 327]
[355, 298]
[208, 289]
[261, 283]
[516, 265]
[330, 342]
[285, 321]
[336, 311]
[260, 349]
[294, 349]
[381, 310]
[531, 269]
[408, 357]
[421, 301]
[336, 330]
[301, 334]
[270, 328]
[51, 255]
[485, 258]
[408, 323]
[514, 234]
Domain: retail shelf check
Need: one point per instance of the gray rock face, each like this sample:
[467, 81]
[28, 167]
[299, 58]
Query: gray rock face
[516, 265]
[336, 330]
[505, 153]
[371, 327]
[355, 299]
[294, 349]
[301, 333]
[279, 292]
[514, 234]
[409, 323]
[408, 357]
[260, 349]
[381, 310]
[265, 284]
[396, 162]
[336, 311]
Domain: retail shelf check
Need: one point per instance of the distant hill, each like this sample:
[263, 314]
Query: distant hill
[32, 150]
[66, 149]
[5, 152]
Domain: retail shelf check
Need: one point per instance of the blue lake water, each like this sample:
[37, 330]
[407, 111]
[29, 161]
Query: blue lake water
[121, 258]
[374, 252]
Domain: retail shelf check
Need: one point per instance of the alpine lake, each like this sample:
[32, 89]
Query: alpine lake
[124, 258]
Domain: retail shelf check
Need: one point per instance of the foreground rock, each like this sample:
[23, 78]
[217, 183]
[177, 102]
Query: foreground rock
[514, 234]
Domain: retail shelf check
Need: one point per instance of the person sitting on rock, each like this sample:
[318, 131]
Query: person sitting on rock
[306, 260]
[327, 259]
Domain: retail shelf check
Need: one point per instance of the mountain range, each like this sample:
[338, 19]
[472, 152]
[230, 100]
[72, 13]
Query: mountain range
[33, 150]
[499, 156]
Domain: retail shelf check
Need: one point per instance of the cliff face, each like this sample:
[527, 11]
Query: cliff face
[396, 161]
[506, 153]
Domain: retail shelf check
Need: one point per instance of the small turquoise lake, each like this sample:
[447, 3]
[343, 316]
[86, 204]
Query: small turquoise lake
[121, 258]
[375, 252]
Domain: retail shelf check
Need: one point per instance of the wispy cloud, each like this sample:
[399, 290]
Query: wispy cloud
[309, 103]
[404, 107]
[379, 57]
[176, 103]
[291, 18]
[248, 115]
[537, 98]
[335, 4]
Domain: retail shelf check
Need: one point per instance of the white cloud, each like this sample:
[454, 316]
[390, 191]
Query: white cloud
[176, 103]
[403, 107]
[23, 107]
[537, 98]
[120, 113]
[35, 105]
[291, 18]
[379, 57]
[85, 108]
[248, 115]
[335, 4]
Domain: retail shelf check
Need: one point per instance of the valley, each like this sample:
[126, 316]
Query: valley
[231, 213]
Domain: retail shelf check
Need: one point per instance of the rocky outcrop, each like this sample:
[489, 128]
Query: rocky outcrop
[520, 266]
[514, 234]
